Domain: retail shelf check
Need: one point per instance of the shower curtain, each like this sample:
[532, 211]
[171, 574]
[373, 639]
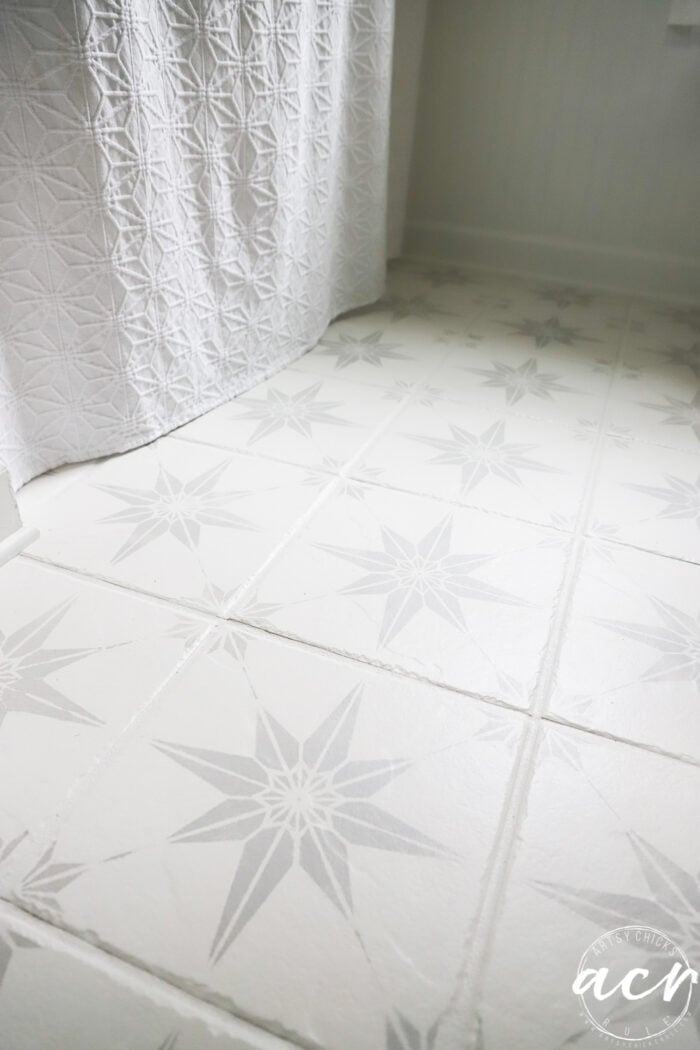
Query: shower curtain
[189, 191]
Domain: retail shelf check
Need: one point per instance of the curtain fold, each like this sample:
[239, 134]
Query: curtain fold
[189, 192]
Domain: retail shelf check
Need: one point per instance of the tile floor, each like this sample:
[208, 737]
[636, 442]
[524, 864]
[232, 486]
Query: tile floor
[348, 715]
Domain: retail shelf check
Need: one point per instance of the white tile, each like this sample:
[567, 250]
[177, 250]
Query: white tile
[55, 995]
[374, 347]
[500, 372]
[656, 397]
[649, 497]
[630, 664]
[509, 464]
[555, 314]
[77, 662]
[607, 841]
[442, 288]
[663, 324]
[298, 418]
[175, 518]
[299, 837]
[47, 486]
[455, 595]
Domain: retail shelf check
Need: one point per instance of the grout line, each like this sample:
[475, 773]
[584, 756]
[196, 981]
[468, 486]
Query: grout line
[503, 855]
[343, 473]
[159, 987]
[514, 808]
[604, 734]
[625, 544]
[323, 497]
[181, 605]
[44, 834]
[261, 630]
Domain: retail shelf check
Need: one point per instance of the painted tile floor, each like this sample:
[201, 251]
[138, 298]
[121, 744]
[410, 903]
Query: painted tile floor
[349, 714]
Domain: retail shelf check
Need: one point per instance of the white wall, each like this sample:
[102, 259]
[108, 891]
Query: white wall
[561, 136]
[409, 33]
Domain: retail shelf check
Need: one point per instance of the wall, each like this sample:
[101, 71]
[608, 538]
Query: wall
[561, 136]
[409, 33]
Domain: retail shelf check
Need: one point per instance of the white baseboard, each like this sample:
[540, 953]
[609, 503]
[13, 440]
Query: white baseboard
[649, 275]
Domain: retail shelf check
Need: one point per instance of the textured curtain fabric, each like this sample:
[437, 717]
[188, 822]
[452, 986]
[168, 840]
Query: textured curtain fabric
[189, 191]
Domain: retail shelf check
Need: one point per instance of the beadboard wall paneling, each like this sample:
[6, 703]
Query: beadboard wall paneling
[561, 136]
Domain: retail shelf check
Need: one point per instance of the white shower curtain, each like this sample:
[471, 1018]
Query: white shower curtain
[189, 191]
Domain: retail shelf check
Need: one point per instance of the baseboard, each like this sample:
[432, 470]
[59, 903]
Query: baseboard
[645, 274]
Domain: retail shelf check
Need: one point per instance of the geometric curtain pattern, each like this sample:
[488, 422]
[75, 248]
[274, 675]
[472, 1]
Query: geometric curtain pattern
[189, 191]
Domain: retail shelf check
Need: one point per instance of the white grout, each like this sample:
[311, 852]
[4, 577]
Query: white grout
[503, 856]
[478, 950]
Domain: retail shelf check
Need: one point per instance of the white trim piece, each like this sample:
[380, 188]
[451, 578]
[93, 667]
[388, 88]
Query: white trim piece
[16, 542]
[13, 536]
[9, 515]
[669, 277]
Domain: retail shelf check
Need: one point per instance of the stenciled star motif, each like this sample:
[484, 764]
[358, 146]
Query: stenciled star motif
[563, 297]
[682, 498]
[677, 637]
[47, 878]
[402, 1034]
[442, 277]
[684, 356]
[10, 939]
[416, 576]
[483, 455]
[297, 412]
[424, 395]
[550, 331]
[402, 306]
[354, 486]
[678, 413]
[671, 904]
[689, 316]
[352, 349]
[173, 506]
[524, 379]
[296, 804]
[170, 1042]
[25, 665]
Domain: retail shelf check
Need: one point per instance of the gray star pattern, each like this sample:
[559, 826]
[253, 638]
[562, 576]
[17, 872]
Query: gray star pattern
[677, 637]
[682, 498]
[679, 413]
[401, 1034]
[172, 506]
[563, 297]
[296, 804]
[672, 904]
[550, 331]
[298, 412]
[689, 316]
[47, 878]
[9, 940]
[483, 455]
[351, 349]
[354, 487]
[25, 664]
[524, 379]
[685, 356]
[416, 576]
[402, 306]
[442, 278]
